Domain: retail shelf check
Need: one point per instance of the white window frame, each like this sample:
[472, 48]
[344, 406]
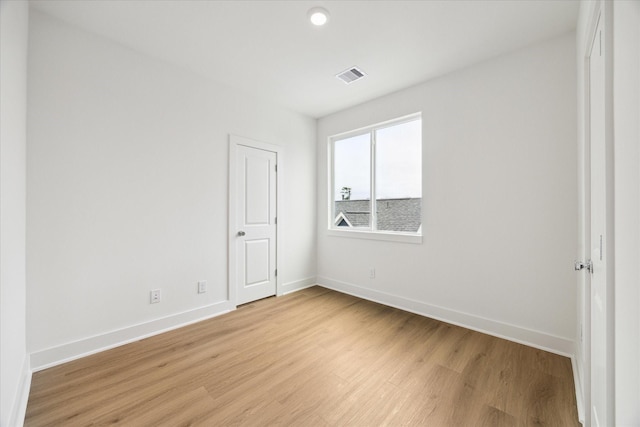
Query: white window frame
[370, 233]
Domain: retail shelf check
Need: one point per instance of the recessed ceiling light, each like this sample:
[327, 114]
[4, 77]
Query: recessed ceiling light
[318, 16]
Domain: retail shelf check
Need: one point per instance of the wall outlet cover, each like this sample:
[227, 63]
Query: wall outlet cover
[155, 296]
[202, 286]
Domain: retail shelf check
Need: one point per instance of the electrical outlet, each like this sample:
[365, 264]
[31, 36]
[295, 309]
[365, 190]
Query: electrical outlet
[155, 296]
[202, 286]
[372, 273]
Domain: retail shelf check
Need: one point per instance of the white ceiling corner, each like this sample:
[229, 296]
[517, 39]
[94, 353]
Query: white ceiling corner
[270, 49]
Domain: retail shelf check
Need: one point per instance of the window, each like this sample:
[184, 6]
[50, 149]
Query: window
[376, 179]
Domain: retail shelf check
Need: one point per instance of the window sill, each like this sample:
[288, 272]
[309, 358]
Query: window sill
[377, 235]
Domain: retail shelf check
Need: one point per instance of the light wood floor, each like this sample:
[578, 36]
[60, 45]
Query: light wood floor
[314, 357]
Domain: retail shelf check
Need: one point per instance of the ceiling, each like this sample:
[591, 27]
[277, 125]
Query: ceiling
[269, 48]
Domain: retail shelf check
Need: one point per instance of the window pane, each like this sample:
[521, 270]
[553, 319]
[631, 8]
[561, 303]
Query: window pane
[399, 177]
[352, 181]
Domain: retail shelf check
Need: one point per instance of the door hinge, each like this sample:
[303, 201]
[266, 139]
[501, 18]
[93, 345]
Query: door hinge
[275, 220]
[601, 247]
[276, 272]
[276, 168]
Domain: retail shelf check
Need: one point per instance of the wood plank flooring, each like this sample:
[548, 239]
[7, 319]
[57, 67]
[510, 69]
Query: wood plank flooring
[312, 358]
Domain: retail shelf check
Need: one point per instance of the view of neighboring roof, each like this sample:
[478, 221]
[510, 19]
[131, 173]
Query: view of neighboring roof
[402, 215]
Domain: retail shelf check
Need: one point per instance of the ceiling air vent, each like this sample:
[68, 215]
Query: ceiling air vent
[351, 75]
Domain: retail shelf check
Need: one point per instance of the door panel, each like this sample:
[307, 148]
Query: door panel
[600, 415]
[255, 223]
[257, 261]
[257, 190]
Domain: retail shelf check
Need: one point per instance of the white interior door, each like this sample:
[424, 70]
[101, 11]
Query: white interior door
[254, 226]
[601, 414]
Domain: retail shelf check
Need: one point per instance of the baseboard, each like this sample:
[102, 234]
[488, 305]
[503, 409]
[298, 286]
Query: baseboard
[297, 285]
[537, 339]
[577, 382]
[74, 350]
[16, 418]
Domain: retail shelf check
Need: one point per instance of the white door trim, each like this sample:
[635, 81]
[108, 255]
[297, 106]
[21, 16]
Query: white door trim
[234, 142]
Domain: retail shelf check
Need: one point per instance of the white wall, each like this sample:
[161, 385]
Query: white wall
[13, 140]
[127, 191]
[500, 196]
[626, 107]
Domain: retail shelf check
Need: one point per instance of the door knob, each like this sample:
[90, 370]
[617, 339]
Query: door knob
[579, 265]
[241, 233]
